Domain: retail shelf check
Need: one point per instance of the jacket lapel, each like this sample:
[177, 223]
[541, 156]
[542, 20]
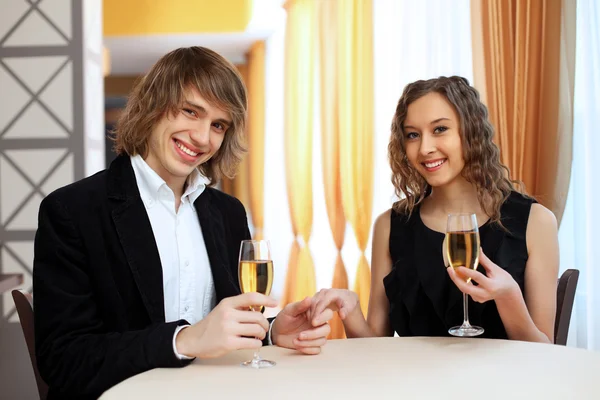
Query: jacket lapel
[223, 260]
[135, 233]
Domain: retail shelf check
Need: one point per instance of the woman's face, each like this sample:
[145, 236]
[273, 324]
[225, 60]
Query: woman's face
[432, 139]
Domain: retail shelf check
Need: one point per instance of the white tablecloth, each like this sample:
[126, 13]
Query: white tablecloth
[378, 368]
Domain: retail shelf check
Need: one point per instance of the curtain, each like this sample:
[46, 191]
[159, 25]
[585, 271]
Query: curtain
[578, 234]
[413, 40]
[330, 150]
[248, 184]
[356, 127]
[525, 51]
[256, 138]
[239, 185]
[298, 102]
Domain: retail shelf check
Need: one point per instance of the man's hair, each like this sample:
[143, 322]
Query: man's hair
[162, 92]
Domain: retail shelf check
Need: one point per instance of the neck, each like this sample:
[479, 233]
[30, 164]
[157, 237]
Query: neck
[459, 196]
[176, 184]
[177, 187]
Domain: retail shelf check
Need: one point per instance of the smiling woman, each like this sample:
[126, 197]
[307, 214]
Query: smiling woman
[459, 123]
[444, 161]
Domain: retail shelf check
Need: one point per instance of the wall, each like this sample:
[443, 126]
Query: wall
[51, 133]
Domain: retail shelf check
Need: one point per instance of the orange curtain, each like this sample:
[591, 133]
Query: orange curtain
[256, 137]
[523, 53]
[248, 184]
[299, 64]
[238, 186]
[356, 126]
[330, 142]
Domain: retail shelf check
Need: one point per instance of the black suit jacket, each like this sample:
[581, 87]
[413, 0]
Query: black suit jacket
[97, 281]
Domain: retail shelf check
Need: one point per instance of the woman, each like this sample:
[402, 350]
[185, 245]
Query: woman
[444, 161]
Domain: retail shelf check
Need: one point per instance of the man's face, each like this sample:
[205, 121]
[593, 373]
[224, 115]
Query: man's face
[182, 141]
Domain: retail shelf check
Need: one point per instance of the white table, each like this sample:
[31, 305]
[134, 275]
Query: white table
[378, 368]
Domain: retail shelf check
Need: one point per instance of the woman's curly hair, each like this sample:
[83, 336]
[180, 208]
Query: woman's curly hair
[162, 91]
[483, 167]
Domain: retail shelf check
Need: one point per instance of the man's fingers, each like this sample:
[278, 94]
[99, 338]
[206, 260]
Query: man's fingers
[310, 350]
[251, 330]
[251, 317]
[315, 333]
[246, 343]
[320, 342]
[247, 300]
[299, 307]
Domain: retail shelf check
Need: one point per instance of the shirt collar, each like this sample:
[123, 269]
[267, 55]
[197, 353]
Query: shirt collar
[150, 183]
[195, 185]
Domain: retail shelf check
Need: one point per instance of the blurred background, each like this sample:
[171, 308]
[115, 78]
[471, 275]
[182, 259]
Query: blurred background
[323, 78]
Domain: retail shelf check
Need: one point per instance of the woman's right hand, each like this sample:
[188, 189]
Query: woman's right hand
[343, 301]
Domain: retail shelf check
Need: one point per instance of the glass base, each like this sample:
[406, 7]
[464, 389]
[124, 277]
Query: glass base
[466, 331]
[258, 364]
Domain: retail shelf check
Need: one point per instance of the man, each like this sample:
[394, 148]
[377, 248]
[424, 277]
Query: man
[136, 267]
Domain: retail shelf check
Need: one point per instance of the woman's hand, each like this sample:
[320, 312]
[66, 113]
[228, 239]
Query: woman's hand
[496, 285]
[344, 301]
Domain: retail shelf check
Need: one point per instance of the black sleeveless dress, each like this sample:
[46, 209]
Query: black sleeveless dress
[423, 299]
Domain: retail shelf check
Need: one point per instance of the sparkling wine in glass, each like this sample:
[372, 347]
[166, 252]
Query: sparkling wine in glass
[462, 247]
[255, 273]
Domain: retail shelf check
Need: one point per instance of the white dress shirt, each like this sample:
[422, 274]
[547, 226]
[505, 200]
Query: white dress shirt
[188, 286]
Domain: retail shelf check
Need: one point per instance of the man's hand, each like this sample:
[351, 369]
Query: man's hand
[229, 326]
[293, 328]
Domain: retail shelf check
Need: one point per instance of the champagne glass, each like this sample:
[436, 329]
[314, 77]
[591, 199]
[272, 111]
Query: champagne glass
[255, 273]
[462, 249]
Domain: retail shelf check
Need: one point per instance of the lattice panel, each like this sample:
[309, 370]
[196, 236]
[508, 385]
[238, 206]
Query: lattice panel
[41, 123]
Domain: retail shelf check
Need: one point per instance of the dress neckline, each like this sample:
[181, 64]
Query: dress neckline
[480, 227]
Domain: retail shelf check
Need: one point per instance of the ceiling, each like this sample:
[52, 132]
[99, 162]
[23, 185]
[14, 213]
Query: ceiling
[133, 55]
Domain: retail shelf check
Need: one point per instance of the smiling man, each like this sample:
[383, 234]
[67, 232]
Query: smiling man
[136, 267]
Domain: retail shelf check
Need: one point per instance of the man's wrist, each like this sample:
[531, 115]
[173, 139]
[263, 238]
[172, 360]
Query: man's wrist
[270, 341]
[177, 353]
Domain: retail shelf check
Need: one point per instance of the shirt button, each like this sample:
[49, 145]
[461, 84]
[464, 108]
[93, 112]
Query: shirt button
[187, 263]
[186, 308]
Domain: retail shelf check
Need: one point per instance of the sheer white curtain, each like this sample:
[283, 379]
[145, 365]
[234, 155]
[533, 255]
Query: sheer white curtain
[413, 40]
[579, 235]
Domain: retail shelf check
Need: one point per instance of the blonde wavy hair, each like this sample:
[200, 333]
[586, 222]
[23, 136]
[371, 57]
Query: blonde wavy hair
[162, 92]
[483, 167]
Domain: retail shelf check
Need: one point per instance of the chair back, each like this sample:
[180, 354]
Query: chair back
[565, 296]
[24, 304]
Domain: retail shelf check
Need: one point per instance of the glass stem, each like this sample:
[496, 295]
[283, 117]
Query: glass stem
[466, 310]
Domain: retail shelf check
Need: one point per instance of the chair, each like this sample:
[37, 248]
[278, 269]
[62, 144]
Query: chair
[565, 296]
[23, 302]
